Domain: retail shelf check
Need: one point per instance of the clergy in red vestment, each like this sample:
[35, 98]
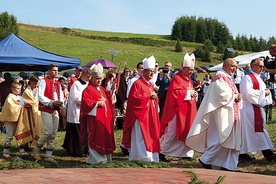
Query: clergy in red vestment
[96, 119]
[142, 126]
[180, 108]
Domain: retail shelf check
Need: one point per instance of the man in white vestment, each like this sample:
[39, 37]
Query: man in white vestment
[255, 138]
[216, 130]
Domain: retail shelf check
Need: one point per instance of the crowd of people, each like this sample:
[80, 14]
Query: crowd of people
[165, 113]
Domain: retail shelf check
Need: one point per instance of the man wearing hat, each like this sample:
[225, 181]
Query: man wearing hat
[142, 125]
[75, 77]
[216, 130]
[180, 108]
[96, 119]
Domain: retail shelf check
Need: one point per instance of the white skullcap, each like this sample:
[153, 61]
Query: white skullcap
[97, 70]
[149, 63]
[189, 60]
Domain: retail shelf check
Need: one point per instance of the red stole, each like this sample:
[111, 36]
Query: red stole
[257, 111]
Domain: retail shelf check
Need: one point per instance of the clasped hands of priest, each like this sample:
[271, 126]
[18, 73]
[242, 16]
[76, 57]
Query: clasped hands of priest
[153, 95]
[238, 97]
[193, 93]
[101, 102]
[267, 92]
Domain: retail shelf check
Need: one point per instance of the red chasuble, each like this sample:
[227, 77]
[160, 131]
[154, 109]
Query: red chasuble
[96, 131]
[185, 111]
[141, 107]
[258, 119]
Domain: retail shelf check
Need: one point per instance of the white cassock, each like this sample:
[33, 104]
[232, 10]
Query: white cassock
[214, 132]
[171, 146]
[74, 101]
[138, 149]
[253, 142]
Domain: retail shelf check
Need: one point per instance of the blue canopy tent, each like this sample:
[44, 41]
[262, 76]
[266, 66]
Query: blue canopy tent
[18, 55]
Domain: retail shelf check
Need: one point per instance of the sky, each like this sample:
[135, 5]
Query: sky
[244, 17]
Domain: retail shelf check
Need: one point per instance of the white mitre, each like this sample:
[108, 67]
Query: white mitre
[149, 63]
[189, 60]
[97, 70]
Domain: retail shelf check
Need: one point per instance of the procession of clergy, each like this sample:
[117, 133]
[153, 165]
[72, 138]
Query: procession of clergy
[228, 127]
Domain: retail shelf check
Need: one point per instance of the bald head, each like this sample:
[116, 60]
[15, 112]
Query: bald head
[230, 66]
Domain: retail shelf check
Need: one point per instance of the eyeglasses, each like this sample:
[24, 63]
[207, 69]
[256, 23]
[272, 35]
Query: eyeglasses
[260, 66]
[141, 68]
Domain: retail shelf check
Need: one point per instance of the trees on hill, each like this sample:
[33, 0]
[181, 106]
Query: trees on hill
[8, 25]
[199, 30]
[192, 29]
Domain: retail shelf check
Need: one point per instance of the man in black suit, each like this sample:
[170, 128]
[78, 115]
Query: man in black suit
[163, 81]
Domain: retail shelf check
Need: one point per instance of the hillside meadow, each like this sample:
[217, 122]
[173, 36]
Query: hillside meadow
[52, 40]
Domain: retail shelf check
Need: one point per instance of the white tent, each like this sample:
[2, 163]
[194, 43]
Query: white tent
[243, 59]
[247, 58]
[215, 68]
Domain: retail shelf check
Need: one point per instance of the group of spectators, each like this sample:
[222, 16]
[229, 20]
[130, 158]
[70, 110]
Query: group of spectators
[160, 110]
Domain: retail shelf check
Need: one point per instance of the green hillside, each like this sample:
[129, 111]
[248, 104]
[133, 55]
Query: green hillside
[77, 45]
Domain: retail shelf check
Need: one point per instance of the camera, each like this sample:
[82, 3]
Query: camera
[165, 71]
[269, 64]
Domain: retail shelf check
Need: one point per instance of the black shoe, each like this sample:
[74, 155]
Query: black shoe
[188, 158]
[124, 150]
[162, 157]
[271, 157]
[246, 157]
[224, 169]
[206, 166]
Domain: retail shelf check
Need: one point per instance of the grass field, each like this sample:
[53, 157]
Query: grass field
[260, 166]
